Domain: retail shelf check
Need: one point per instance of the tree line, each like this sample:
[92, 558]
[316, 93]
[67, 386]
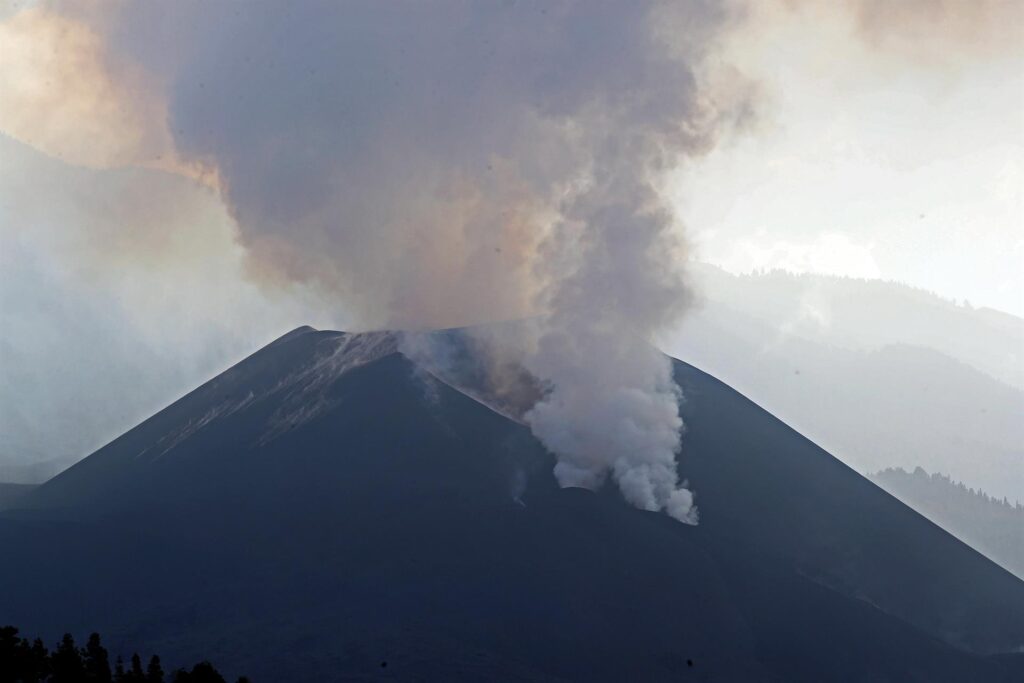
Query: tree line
[22, 661]
[991, 526]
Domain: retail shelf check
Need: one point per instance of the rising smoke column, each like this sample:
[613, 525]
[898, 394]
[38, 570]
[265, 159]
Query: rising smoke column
[612, 406]
[445, 163]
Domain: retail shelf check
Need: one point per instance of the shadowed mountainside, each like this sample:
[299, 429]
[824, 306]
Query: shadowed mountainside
[12, 494]
[324, 501]
[995, 527]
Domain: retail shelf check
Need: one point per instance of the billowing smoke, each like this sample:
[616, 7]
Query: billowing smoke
[612, 404]
[434, 164]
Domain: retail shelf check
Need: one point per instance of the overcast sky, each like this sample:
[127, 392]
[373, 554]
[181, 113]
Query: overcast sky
[896, 157]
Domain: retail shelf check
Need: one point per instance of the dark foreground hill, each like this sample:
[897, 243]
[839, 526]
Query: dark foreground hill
[325, 511]
[12, 494]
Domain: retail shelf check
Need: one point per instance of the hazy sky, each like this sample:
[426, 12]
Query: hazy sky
[895, 154]
[881, 140]
[887, 143]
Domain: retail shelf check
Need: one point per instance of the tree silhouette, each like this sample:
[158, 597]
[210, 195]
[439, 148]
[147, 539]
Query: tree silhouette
[22, 661]
[95, 661]
[66, 664]
[154, 672]
[137, 675]
[203, 672]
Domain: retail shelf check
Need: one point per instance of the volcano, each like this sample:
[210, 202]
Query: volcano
[328, 510]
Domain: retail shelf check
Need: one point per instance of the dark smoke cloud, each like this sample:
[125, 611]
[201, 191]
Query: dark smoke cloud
[445, 163]
[415, 156]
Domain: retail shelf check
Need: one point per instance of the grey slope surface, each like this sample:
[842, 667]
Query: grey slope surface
[322, 508]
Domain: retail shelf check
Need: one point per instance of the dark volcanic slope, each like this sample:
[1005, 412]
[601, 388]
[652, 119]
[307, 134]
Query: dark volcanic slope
[322, 509]
[12, 494]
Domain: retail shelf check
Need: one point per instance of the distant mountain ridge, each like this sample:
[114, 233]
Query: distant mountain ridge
[847, 363]
[326, 499]
[862, 314]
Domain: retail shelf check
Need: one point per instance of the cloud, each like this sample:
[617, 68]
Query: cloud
[829, 253]
[63, 95]
[119, 291]
[416, 159]
[930, 28]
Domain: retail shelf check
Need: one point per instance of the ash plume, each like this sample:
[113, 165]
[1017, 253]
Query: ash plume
[438, 164]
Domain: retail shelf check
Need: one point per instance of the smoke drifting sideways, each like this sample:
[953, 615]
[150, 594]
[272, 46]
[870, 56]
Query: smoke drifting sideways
[447, 163]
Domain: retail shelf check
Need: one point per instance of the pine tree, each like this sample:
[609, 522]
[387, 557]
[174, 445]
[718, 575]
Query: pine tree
[15, 656]
[25, 662]
[203, 672]
[10, 652]
[66, 662]
[96, 662]
[154, 672]
[136, 675]
[40, 661]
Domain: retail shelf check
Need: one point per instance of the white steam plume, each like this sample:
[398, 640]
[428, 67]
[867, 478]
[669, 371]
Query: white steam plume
[443, 163]
[612, 406]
